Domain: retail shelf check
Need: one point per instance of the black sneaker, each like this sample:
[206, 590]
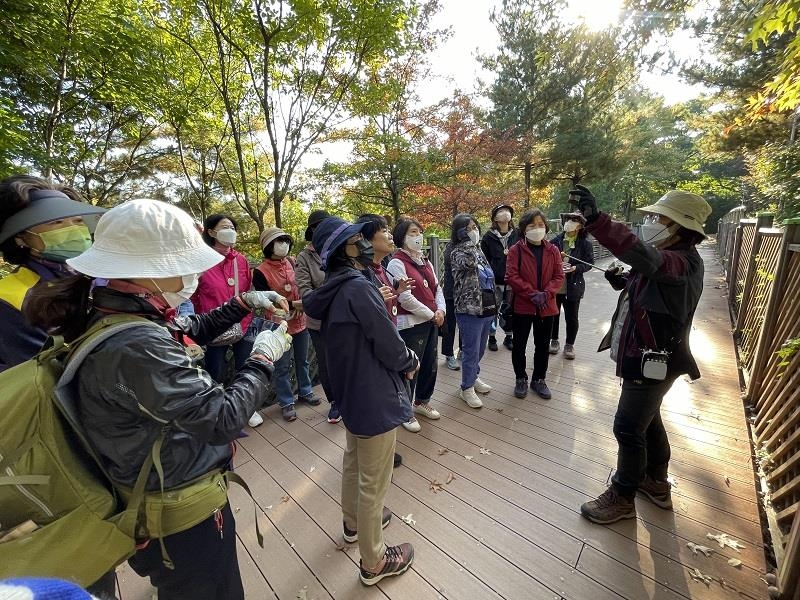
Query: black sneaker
[351, 536]
[398, 460]
[398, 559]
[492, 343]
[540, 387]
[508, 342]
[521, 387]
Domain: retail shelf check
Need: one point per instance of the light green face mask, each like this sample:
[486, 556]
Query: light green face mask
[64, 243]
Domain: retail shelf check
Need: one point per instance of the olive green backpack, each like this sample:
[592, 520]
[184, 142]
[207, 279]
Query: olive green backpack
[60, 515]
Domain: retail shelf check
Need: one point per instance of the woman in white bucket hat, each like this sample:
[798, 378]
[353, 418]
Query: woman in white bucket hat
[648, 339]
[143, 380]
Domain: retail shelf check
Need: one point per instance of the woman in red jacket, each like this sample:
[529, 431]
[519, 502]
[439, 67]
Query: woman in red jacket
[534, 271]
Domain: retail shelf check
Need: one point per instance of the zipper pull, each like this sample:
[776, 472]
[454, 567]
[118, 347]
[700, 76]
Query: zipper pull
[218, 521]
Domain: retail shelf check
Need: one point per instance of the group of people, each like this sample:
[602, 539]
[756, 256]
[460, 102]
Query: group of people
[370, 303]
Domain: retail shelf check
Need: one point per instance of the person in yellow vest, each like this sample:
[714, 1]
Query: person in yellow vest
[41, 226]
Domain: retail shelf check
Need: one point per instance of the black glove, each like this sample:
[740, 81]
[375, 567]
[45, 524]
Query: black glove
[585, 200]
[615, 277]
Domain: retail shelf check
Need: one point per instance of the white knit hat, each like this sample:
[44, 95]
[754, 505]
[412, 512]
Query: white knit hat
[145, 238]
[685, 208]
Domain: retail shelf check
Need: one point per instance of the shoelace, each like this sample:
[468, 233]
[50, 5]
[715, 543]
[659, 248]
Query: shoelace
[607, 498]
[393, 554]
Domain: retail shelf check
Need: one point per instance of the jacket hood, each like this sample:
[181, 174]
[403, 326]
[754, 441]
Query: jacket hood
[317, 302]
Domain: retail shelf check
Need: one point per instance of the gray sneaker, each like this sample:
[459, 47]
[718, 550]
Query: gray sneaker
[540, 387]
[569, 351]
[452, 363]
[554, 346]
[609, 507]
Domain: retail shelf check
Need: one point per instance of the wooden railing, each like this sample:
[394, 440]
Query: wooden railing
[762, 265]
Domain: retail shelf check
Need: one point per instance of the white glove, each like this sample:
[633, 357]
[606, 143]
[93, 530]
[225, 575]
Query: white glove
[262, 301]
[272, 344]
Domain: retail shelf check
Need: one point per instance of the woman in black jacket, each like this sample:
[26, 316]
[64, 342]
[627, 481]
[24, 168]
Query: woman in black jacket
[574, 243]
[143, 382]
[494, 245]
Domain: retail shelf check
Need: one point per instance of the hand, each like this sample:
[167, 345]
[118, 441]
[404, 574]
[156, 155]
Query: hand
[387, 292]
[297, 306]
[539, 299]
[615, 277]
[273, 344]
[586, 202]
[264, 301]
[438, 318]
[410, 374]
[568, 268]
[404, 284]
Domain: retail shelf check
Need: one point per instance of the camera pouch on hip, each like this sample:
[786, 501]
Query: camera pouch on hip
[654, 365]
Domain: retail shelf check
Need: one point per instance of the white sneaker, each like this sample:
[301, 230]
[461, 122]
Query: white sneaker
[482, 387]
[426, 410]
[412, 425]
[256, 419]
[470, 397]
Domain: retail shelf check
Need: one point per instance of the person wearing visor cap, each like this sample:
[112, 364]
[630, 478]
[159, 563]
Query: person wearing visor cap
[41, 226]
[142, 381]
[372, 366]
[648, 339]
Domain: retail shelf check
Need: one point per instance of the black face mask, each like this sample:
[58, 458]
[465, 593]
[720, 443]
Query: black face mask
[366, 253]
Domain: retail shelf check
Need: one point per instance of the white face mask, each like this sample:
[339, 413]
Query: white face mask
[535, 235]
[657, 234]
[226, 236]
[175, 299]
[474, 235]
[280, 249]
[571, 226]
[503, 216]
[414, 242]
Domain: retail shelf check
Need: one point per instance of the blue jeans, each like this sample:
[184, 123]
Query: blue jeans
[474, 334]
[282, 379]
[215, 359]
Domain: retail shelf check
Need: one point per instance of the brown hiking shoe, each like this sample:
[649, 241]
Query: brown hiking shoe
[658, 492]
[395, 562]
[609, 507]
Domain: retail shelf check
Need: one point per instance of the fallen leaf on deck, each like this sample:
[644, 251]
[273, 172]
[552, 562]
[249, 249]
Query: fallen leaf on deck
[435, 486]
[302, 593]
[468, 457]
[724, 540]
[268, 507]
[286, 498]
[695, 548]
[291, 545]
[485, 451]
[450, 478]
[516, 419]
[311, 470]
[672, 481]
[443, 451]
[408, 520]
[695, 415]
[237, 509]
[734, 562]
[727, 481]
[698, 576]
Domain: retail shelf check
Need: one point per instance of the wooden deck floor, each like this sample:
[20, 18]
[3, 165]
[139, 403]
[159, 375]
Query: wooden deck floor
[507, 525]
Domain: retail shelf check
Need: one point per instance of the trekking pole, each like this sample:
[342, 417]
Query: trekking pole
[567, 256]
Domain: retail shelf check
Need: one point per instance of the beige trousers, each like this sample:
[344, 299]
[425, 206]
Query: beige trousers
[366, 473]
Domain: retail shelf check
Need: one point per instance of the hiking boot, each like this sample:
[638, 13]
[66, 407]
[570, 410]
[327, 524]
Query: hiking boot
[481, 387]
[398, 460]
[352, 536]
[395, 562]
[289, 413]
[426, 410]
[452, 363]
[569, 351]
[554, 346]
[540, 387]
[255, 420]
[508, 342]
[492, 343]
[412, 425]
[333, 414]
[521, 387]
[658, 492]
[310, 399]
[609, 507]
[470, 397]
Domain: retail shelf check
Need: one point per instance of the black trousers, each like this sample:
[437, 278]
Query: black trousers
[319, 350]
[643, 444]
[542, 328]
[424, 340]
[449, 329]
[570, 316]
[206, 565]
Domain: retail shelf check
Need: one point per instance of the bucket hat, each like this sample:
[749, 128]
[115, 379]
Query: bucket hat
[686, 209]
[145, 238]
[45, 206]
[270, 234]
[332, 233]
[315, 218]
